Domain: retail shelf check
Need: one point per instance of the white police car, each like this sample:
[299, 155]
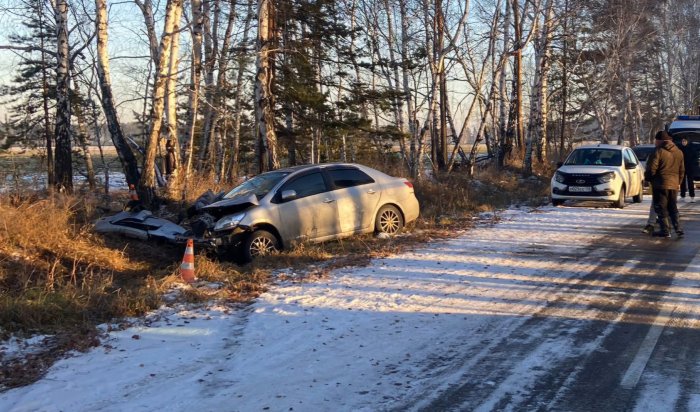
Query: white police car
[599, 172]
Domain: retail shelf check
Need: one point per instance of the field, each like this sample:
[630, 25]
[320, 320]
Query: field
[22, 170]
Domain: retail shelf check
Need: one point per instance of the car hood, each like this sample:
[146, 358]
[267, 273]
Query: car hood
[229, 206]
[587, 169]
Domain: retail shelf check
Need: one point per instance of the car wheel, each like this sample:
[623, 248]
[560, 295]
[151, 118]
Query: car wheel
[620, 203]
[389, 220]
[259, 243]
[557, 202]
[640, 196]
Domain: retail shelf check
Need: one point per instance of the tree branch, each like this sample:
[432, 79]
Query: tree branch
[27, 49]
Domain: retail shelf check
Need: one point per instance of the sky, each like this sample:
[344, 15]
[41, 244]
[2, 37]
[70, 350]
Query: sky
[127, 40]
[391, 335]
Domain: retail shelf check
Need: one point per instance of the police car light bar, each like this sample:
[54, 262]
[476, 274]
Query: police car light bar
[687, 117]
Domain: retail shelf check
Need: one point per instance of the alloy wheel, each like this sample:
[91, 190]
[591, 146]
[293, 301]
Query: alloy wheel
[262, 246]
[390, 222]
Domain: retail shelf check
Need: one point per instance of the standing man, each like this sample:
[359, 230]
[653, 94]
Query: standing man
[665, 169]
[690, 159]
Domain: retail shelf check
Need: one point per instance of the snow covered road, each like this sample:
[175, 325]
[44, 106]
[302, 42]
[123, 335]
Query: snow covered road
[557, 309]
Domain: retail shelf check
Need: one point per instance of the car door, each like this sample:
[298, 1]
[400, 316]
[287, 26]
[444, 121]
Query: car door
[634, 175]
[357, 195]
[311, 213]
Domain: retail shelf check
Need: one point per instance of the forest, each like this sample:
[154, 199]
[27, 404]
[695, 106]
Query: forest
[240, 87]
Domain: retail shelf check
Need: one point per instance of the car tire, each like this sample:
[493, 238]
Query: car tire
[620, 203]
[640, 196]
[557, 202]
[259, 243]
[389, 220]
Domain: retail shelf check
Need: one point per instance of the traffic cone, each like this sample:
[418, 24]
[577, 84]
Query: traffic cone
[187, 266]
[132, 192]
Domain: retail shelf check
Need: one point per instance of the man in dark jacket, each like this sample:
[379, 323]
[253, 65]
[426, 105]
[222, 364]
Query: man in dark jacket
[690, 158]
[665, 169]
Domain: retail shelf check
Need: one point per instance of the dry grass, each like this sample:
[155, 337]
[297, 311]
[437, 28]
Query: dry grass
[58, 278]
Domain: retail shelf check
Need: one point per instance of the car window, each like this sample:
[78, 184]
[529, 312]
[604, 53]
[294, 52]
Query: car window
[259, 185]
[630, 157]
[342, 178]
[594, 156]
[643, 152]
[306, 185]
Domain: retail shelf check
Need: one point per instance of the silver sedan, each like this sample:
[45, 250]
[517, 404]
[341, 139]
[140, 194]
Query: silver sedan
[312, 203]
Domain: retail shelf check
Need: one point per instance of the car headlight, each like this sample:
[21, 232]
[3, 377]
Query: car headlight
[229, 222]
[559, 177]
[607, 177]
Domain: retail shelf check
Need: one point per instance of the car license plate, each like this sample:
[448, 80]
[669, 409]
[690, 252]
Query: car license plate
[580, 189]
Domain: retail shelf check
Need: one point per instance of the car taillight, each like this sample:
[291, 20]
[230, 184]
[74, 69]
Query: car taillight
[407, 183]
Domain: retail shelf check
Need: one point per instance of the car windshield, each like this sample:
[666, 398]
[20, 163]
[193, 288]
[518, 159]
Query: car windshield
[259, 185]
[643, 152]
[594, 156]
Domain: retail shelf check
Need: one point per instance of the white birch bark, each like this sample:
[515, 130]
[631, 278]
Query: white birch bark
[126, 155]
[175, 178]
[63, 165]
[148, 178]
[195, 80]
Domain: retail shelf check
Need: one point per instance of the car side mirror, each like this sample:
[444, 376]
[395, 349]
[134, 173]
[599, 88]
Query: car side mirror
[630, 165]
[288, 195]
[560, 164]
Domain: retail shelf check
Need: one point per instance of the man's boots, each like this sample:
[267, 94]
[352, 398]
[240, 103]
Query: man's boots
[664, 231]
[676, 221]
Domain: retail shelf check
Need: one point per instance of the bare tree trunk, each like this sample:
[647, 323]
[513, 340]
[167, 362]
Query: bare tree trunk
[148, 179]
[126, 156]
[534, 109]
[146, 7]
[564, 81]
[441, 140]
[210, 49]
[172, 169]
[504, 146]
[264, 80]
[221, 91]
[195, 75]
[48, 137]
[64, 165]
[543, 90]
[234, 166]
[397, 101]
[518, 75]
[407, 94]
[82, 135]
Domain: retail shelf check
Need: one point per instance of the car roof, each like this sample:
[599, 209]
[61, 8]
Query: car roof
[643, 146]
[292, 169]
[684, 124]
[602, 146]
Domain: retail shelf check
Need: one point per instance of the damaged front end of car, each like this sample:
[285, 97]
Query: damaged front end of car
[221, 226]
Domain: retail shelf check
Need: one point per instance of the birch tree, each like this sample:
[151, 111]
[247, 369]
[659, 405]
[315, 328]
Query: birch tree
[126, 156]
[64, 163]
[537, 128]
[148, 182]
[195, 76]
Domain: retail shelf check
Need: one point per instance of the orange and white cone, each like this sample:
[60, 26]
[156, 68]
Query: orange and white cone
[187, 266]
[132, 192]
